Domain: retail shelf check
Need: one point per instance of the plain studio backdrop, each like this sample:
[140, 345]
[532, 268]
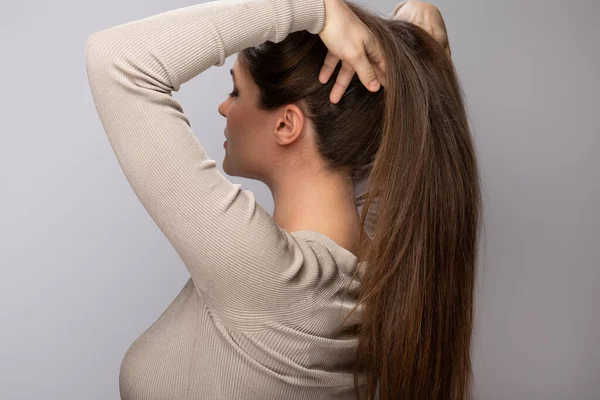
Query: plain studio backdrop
[85, 270]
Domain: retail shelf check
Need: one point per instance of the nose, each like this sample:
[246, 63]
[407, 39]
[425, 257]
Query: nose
[223, 109]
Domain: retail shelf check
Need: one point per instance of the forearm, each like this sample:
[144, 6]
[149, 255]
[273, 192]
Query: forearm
[174, 46]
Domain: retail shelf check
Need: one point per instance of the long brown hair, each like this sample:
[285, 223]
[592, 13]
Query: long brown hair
[417, 292]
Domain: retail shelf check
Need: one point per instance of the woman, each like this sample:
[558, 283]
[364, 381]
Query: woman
[285, 306]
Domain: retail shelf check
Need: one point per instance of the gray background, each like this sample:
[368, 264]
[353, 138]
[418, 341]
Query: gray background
[85, 270]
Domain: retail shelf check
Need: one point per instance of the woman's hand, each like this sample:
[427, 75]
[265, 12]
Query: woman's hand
[348, 39]
[426, 16]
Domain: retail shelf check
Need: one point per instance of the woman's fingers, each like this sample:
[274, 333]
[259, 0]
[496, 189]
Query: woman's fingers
[344, 77]
[426, 16]
[441, 36]
[373, 60]
[341, 83]
[328, 67]
[348, 39]
[370, 73]
[327, 70]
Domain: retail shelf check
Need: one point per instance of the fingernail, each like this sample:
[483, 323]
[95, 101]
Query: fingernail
[374, 85]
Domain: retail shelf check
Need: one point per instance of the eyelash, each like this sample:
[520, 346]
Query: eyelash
[234, 93]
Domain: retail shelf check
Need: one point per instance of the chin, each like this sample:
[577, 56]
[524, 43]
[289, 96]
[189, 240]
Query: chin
[227, 168]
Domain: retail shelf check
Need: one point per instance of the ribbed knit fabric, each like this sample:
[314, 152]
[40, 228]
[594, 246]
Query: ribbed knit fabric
[256, 319]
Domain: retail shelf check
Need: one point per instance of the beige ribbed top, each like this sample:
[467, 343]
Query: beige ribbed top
[256, 318]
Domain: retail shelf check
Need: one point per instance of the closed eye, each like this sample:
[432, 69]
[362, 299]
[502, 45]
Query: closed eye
[234, 93]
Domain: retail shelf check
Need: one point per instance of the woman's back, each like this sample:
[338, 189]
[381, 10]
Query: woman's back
[200, 350]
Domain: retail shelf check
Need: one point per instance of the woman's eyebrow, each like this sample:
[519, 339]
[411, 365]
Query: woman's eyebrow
[232, 73]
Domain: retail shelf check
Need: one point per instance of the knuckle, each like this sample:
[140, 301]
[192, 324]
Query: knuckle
[353, 55]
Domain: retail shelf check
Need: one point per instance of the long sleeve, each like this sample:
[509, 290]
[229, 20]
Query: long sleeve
[236, 255]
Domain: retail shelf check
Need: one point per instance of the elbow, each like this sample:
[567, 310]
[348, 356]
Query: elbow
[94, 50]
[99, 55]
[92, 53]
